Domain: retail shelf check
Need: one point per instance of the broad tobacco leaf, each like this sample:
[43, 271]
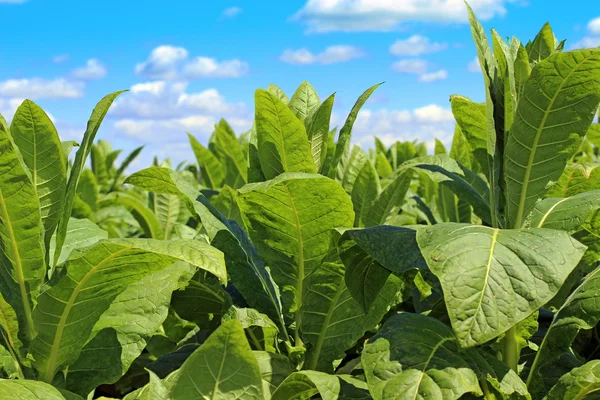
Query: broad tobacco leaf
[28, 390]
[224, 367]
[492, 279]
[567, 214]
[290, 220]
[576, 179]
[415, 356]
[578, 383]
[88, 285]
[542, 140]
[304, 385]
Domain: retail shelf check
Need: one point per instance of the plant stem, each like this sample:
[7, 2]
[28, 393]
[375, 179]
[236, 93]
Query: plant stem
[510, 353]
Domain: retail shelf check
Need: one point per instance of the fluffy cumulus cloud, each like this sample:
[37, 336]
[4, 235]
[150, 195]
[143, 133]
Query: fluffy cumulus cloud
[92, 70]
[331, 55]
[385, 15]
[231, 12]
[156, 110]
[415, 46]
[425, 124]
[172, 63]
[39, 88]
[592, 39]
[420, 68]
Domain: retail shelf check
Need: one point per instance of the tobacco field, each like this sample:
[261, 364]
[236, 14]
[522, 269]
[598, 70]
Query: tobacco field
[285, 263]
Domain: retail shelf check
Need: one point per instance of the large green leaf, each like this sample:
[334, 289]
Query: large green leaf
[364, 193]
[278, 92]
[304, 101]
[554, 113]
[282, 140]
[332, 321]
[274, 368]
[98, 163]
[389, 200]
[417, 357]
[93, 125]
[579, 311]
[244, 265]
[575, 179]
[567, 214]
[543, 45]
[167, 208]
[342, 147]
[213, 173]
[290, 220]
[36, 138]
[231, 155]
[153, 390]
[579, 383]
[121, 333]
[492, 279]
[224, 367]
[67, 312]
[352, 167]
[28, 390]
[317, 130]
[304, 385]
[21, 236]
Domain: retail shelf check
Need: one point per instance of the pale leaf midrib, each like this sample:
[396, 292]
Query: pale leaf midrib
[549, 211]
[524, 188]
[218, 377]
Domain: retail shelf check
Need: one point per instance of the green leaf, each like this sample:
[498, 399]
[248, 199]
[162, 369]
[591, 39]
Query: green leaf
[579, 311]
[304, 100]
[439, 148]
[277, 92]
[98, 163]
[167, 208]
[88, 140]
[364, 193]
[92, 281]
[126, 163]
[389, 201]
[578, 383]
[522, 70]
[576, 179]
[87, 189]
[229, 152]
[501, 278]
[317, 130]
[143, 215]
[352, 167]
[21, 237]
[153, 390]
[566, 214]
[81, 233]
[414, 356]
[343, 144]
[332, 322]
[122, 332]
[244, 265]
[224, 367]
[282, 140]
[213, 171]
[383, 166]
[543, 45]
[36, 138]
[9, 331]
[542, 139]
[274, 368]
[290, 220]
[28, 390]
[304, 385]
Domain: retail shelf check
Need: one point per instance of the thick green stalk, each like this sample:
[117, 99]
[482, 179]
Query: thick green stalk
[510, 352]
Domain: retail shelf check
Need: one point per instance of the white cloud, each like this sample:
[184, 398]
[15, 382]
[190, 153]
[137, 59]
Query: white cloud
[38, 88]
[419, 67]
[171, 63]
[433, 76]
[385, 15]
[331, 55]
[593, 26]
[593, 37]
[473, 65]
[231, 12]
[410, 66]
[204, 67]
[163, 111]
[162, 62]
[93, 70]
[60, 58]
[424, 123]
[415, 45]
[8, 107]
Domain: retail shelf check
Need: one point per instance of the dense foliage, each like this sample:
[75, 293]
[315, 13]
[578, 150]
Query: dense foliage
[288, 264]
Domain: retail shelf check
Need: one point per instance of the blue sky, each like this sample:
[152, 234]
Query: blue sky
[189, 63]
